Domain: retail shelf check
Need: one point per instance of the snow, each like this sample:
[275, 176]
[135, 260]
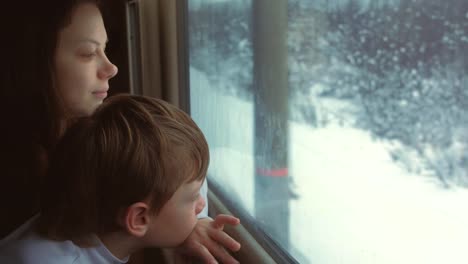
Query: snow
[355, 205]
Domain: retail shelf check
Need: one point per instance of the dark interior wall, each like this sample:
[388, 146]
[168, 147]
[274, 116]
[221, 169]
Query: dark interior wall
[117, 48]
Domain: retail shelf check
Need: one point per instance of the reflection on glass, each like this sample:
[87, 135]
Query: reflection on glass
[369, 159]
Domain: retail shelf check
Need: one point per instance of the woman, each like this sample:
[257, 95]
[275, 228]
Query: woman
[56, 69]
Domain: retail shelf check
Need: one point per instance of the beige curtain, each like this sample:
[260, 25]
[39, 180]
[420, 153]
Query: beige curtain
[161, 74]
[159, 49]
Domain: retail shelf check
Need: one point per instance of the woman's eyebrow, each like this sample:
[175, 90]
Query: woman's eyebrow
[94, 41]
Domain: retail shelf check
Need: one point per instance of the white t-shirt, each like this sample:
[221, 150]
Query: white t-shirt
[24, 246]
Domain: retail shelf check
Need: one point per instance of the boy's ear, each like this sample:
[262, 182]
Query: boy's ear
[136, 219]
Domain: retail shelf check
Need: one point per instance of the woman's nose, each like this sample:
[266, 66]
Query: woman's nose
[108, 70]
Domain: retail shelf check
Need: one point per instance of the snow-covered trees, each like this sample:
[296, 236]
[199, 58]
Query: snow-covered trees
[401, 64]
[405, 65]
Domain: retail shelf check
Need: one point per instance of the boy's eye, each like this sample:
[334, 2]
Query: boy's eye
[196, 196]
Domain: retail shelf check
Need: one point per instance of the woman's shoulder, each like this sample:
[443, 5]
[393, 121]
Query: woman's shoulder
[22, 231]
[25, 246]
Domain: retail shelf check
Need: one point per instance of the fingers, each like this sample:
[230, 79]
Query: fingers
[210, 243]
[223, 219]
[220, 253]
[203, 253]
[225, 240]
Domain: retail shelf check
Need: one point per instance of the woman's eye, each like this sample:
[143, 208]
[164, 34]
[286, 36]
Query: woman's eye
[88, 54]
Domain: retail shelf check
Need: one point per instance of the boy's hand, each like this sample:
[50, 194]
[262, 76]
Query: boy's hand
[209, 242]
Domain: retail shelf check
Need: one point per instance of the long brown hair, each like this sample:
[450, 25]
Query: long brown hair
[30, 110]
[132, 149]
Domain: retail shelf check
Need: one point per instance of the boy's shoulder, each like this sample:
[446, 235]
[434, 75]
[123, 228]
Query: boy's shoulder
[31, 248]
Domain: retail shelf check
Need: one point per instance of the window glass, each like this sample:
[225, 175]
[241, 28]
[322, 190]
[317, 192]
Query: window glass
[341, 126]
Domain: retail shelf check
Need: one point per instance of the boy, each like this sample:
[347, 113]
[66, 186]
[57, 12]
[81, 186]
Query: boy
[124, 179]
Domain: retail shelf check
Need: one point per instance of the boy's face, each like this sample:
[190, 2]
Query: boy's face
[177, 218]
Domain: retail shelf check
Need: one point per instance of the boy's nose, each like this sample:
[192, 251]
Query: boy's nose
[200, 205]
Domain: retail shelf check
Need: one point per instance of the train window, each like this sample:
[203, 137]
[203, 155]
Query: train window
[339, 126]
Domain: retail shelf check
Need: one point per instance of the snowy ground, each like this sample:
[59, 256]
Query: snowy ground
[355, 206]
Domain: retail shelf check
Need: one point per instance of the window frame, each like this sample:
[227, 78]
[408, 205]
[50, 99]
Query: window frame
[256, 244]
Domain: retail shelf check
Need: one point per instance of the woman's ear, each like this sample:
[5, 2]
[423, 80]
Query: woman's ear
[136, 219]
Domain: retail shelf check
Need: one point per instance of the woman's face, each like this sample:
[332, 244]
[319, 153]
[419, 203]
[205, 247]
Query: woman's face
[82, 69]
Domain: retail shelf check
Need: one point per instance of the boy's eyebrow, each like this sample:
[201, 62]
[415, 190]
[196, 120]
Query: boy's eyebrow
[198, 188]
